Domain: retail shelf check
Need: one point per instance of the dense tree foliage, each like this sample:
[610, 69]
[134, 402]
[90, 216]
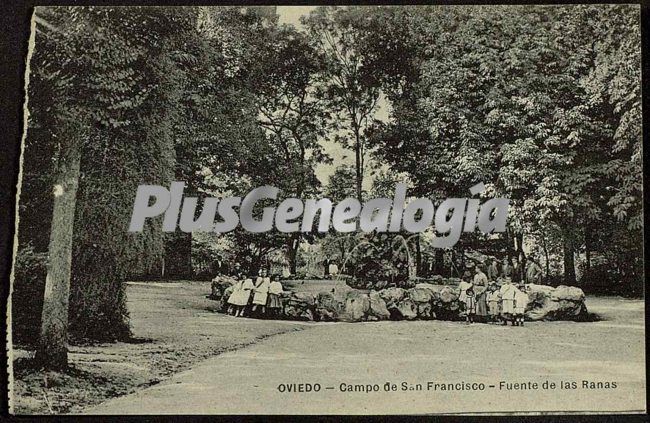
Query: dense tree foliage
[531, 102]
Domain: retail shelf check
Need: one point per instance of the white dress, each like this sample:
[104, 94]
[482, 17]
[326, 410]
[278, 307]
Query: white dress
[232, 299]
[463, 287]
[521, 301]
[261, 291]
[241, 296]
[508, 294]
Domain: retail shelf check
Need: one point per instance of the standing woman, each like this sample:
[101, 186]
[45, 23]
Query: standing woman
[480, 290]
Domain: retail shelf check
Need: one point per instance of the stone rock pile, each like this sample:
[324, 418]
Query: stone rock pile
[425, 301]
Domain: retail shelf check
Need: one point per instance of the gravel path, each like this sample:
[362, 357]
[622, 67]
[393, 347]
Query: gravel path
[350, 356]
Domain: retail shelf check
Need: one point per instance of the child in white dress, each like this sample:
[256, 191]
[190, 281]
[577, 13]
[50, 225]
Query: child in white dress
[470, 304]
[261, 291]
[232, 299]
[240, 297]
[508, 292]
[521, 301]
[493, 300]
[275, 291]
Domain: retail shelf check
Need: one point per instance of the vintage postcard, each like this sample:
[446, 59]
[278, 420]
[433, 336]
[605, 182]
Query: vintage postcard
[330, 210]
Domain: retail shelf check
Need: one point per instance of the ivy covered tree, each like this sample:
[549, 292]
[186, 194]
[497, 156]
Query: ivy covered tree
[104, 83]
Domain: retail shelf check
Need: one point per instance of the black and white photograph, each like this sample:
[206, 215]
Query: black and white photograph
[330, 210]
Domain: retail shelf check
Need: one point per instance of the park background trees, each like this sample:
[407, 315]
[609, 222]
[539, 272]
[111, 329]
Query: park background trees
[542, 104]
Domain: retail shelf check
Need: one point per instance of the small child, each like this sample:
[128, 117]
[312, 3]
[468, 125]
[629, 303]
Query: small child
[470, 304]
[234, 299]
[261, 291]
[521, 301]
[462, 293]
[274, 302]
[507, 292]
[493, 299]
[240, 296]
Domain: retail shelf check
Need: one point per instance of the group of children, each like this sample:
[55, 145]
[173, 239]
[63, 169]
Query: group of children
[504, 303]
[259, 298]
[495, 301]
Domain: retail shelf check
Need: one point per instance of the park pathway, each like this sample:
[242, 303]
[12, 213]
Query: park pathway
[247, 380]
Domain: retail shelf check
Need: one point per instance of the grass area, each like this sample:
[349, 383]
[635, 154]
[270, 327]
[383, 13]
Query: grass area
[174, 327]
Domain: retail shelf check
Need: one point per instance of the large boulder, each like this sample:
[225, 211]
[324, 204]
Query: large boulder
[568, 293]
[378, 309]
[398, 303]
[357, 306]
[448, 295]
[423, 298]
[392, 296]
[406, 309]
[445, 303]
[561, 303]
[329, 306]
[300, 306]
[431, 287]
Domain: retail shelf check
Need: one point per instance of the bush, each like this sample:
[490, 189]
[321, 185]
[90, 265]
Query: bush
[378, 263]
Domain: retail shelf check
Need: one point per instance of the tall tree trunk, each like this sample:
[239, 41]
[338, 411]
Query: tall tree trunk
[587, 251]
[439, 260]
[255, 264]
[546, 258]
[509, 241]
[358, 162]
[569, 262]
[521, 257]
[178, 244]
[452, 262]
[418, 257]
[343, 255]
[292, 250]
[162, 268]
[178, 255]
[53, 347]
